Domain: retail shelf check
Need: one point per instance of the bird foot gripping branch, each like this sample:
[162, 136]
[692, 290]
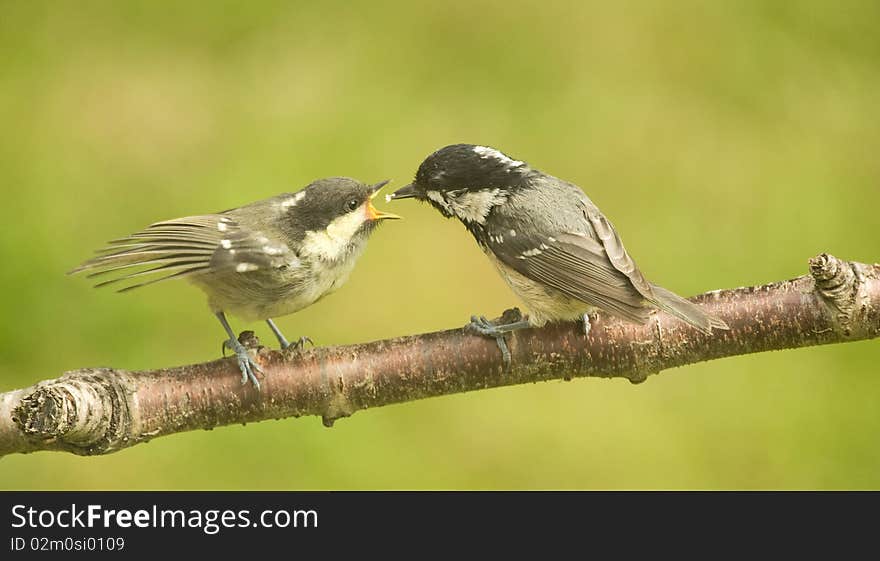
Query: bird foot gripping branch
[248, 366]
[511, 320]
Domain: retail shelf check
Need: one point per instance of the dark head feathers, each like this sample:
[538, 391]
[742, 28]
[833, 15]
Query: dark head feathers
[469, 166]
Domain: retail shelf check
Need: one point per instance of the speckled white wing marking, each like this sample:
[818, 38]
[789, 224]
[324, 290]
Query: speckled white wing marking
[182, 247]
[577, 267]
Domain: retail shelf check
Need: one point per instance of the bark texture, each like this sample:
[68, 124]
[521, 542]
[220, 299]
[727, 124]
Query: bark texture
[102, 410]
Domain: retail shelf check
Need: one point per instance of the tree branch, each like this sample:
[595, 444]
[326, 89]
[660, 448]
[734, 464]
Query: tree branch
[102, 410]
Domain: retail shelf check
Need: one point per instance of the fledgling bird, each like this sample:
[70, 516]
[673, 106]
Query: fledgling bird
[263, 260]
[552, 245]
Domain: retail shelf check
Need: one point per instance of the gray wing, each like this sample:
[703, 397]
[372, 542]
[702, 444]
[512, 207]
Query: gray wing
[183, 247]
[563, 241]
[577, 266]
[585, 258]
[615, 252]
[656, 296]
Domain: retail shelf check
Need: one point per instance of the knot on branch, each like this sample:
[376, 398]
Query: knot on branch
[837, 282]
[85, 413]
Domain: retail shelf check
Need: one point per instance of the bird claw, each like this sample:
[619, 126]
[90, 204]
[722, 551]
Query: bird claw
[299, 344]
[246, 363]
[484, 327]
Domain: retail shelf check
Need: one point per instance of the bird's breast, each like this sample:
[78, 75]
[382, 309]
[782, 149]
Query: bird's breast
[543, 302]
[269, 293]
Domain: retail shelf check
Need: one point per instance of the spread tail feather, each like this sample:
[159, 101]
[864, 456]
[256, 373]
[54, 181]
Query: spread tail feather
[686, 311]
[164, 250]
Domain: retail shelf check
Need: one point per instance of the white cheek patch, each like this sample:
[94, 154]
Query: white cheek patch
[438, 198]
[474, 206]
[487, 152]
[332, 243]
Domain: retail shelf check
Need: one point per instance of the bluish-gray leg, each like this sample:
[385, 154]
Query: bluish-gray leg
[278, 335]
[300, 343]
[247, 365]
[587, 325]
[486, 328]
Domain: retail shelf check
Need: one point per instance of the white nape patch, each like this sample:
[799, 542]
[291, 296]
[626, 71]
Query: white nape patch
[488, 152]
[474, 206]
[332, 243]
[225, 244]
[532, 252]
[292, 200]
[245, 267]
[512, 233]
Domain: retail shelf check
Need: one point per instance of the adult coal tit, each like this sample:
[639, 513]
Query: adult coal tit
[552, 245]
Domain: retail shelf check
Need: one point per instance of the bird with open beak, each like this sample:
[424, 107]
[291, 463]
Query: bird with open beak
[263, 260]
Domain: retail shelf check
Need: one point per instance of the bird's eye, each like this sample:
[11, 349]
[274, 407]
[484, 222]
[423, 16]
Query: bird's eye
[352, 204]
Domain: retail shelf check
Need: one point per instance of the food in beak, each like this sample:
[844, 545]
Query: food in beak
[406, 192]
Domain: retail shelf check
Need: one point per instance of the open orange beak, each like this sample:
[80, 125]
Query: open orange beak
[372, 212]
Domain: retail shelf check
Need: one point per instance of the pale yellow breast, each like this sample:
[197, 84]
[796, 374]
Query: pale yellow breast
[543, 303]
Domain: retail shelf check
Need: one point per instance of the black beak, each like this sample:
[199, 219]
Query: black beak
[407, 192]
[378, 186]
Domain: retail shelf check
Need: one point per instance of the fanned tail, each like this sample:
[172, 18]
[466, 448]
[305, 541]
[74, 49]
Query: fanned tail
[162, 251]
[686, 311]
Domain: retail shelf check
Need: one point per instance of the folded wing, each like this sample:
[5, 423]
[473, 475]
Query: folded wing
[182, 247]
[596, 269]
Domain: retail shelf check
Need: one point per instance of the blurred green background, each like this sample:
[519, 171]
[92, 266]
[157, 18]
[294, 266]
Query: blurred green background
[728, 142]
